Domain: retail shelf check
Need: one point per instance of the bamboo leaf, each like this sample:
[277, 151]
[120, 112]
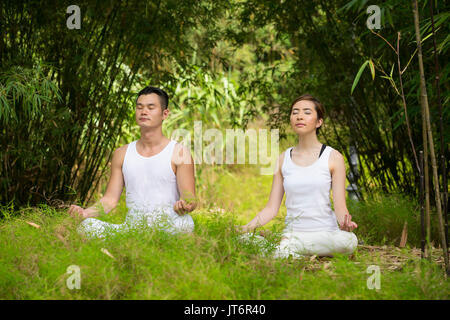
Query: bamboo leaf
[372, 68]
[33, 224]
[358, 75]
[105, 251]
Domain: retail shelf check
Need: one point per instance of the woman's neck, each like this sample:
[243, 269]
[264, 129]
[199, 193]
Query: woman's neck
[308, 142]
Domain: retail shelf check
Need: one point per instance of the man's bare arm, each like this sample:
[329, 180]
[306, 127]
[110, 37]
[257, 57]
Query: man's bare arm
[113, 191]
[185, 173]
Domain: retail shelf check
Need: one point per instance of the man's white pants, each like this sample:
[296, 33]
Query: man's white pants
[166, 220]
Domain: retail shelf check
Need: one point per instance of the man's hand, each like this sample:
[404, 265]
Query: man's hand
[347, 224]
[182, 207]
[78, 212]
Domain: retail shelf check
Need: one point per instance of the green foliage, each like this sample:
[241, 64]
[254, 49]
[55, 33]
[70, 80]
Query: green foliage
[97, 70]
[215, 99]
[381, 219]
[224, 63]
[330, 41]
[25, 92]
[29, 121]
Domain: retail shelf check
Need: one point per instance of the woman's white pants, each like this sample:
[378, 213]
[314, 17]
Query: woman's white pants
[320, 243]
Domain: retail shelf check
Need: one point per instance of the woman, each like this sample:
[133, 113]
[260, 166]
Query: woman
[306, 173]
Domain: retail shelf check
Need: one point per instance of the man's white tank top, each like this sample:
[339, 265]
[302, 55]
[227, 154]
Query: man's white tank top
[308, 194]
[149, 181]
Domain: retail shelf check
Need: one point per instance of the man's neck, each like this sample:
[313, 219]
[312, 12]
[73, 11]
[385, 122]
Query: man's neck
[152, 137]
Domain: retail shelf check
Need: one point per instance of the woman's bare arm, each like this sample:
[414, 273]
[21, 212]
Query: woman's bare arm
[274, 203]
[338, 177]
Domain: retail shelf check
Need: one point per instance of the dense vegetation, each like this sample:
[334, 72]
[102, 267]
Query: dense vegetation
[67, 101]
[67, 95]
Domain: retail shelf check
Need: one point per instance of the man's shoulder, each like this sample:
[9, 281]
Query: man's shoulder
[121, 150]
[181, 154]
[119, 154]
[180, 147]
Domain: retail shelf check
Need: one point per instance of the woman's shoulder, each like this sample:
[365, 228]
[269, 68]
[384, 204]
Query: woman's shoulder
[335, 154]
[335, 160]
[284, 154]
[280, 161]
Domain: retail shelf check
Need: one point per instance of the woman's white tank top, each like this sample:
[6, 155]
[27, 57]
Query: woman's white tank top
[149, 181]
[308, 194]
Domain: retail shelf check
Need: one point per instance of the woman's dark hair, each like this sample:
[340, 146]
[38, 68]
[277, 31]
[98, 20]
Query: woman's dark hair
[318, 106]
[163, 96]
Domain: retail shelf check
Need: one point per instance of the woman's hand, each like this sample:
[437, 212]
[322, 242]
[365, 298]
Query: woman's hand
[241, 229]
[347, 224]
[181, 207]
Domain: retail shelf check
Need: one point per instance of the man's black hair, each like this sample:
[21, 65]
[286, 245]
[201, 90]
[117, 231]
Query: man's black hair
[163, 96]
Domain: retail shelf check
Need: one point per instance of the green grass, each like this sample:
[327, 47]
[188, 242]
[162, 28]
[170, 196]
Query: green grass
[381, 219]
[209, 264]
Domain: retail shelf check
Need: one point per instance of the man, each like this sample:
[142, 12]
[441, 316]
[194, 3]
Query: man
[158, 174]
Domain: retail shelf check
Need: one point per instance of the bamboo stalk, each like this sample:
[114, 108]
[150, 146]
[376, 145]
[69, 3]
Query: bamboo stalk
[441, 124]
[420, 166]
[404, 236]
[421, 201]
[424, 102]
[404, 102]
[397, 52]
